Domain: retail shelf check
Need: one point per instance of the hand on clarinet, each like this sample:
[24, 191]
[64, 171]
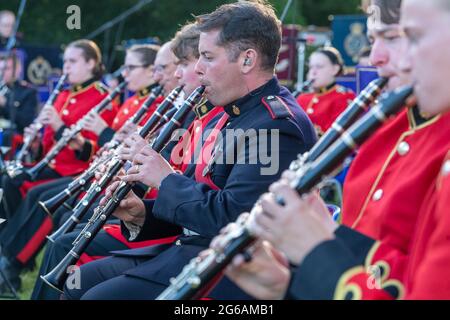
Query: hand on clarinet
[124, 132]
[261, 271]
[131, 146]
[49, 116]
[149, 167]
[131, 209]
[295, 228]
[94, 123]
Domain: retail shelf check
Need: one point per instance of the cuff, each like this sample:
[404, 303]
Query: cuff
[59, 133]
[318, 274]
[105, 136]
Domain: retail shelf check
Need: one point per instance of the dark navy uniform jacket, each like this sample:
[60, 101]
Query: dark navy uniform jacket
[183, 202]
[21, 105]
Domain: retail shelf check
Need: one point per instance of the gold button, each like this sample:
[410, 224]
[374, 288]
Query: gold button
[197, 129]
[136, 102]
[116, 120]
[125, 111]
[446, 168]
[53, 161]
[377, 195]
[73, 101]
[315, 100]
[65, 112]
[310, 111]
[16, 104]
[236, 110]
[178, 243]
[403, 148]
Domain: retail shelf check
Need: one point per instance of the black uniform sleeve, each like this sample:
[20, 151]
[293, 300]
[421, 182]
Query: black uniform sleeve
[27, 110]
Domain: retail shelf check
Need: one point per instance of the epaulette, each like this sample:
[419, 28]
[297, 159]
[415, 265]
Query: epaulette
[101, 87]
[277, 108]
[202, 108]
[342, 89]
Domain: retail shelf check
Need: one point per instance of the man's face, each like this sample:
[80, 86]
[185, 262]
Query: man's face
[164, 69]
[7, 25]
[76, 67]
[223, 79]
[186, 75]
[7, 67]
[427, 28]
[388, 49]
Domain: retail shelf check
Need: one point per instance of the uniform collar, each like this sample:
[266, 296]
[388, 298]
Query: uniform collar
[203, 108]
[325, 89]
[146, 91]
[417, 118]
[84, 85]
[252, 99]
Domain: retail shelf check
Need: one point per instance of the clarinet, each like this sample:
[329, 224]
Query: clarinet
[191, 283]
[305, 86]
[115, 165]
[15, 167]
[359, 106]
[70, 134]
[50, 205]
[57, 277]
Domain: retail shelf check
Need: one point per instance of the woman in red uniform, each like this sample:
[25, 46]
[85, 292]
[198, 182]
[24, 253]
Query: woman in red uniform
[328, 100]
[138, 72]
[83, 65]
[25, 233]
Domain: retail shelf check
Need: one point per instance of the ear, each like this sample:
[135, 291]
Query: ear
[248, 60]
[336, 69]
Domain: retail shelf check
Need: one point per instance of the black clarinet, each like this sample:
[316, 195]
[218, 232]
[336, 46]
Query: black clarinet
[359, 106]
[69, 134]
[115, 165]
[57, 277]
[16, 167]
[192, 282]
[52, 204]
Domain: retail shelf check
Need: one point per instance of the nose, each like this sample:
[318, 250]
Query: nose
[379, 56]
[199, 67]
[178, 73]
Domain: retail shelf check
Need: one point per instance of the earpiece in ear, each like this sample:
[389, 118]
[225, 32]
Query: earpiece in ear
[247, 62]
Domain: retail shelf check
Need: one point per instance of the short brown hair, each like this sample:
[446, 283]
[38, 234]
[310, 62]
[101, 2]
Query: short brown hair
[244, 25]
[91, 51]
[389, 10]
[185, 42]
[147, 52]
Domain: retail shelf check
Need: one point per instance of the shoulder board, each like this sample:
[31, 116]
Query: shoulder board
[101, 87]
[277, 108]
[342, 89]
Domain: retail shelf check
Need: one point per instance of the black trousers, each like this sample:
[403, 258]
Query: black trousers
[12, 198]
[102, 245]
[23, 235]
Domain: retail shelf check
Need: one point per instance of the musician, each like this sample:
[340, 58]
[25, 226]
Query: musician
[397, 249]
[7, 22]
[18, 100]
[328, 99]
[82, 63]
[25, 234]
[238, 46]
[183, 48]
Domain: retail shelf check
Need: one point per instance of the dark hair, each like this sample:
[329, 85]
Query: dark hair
[334, 56]
[389, 10]
[91, 51]
[244, 25]
[185, 42]
[147, 52]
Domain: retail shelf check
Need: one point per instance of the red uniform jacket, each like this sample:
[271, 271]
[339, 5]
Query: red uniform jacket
[384, 191]
[324, 107]
[71, 106]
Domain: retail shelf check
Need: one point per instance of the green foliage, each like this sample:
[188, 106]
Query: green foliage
[44, 21]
